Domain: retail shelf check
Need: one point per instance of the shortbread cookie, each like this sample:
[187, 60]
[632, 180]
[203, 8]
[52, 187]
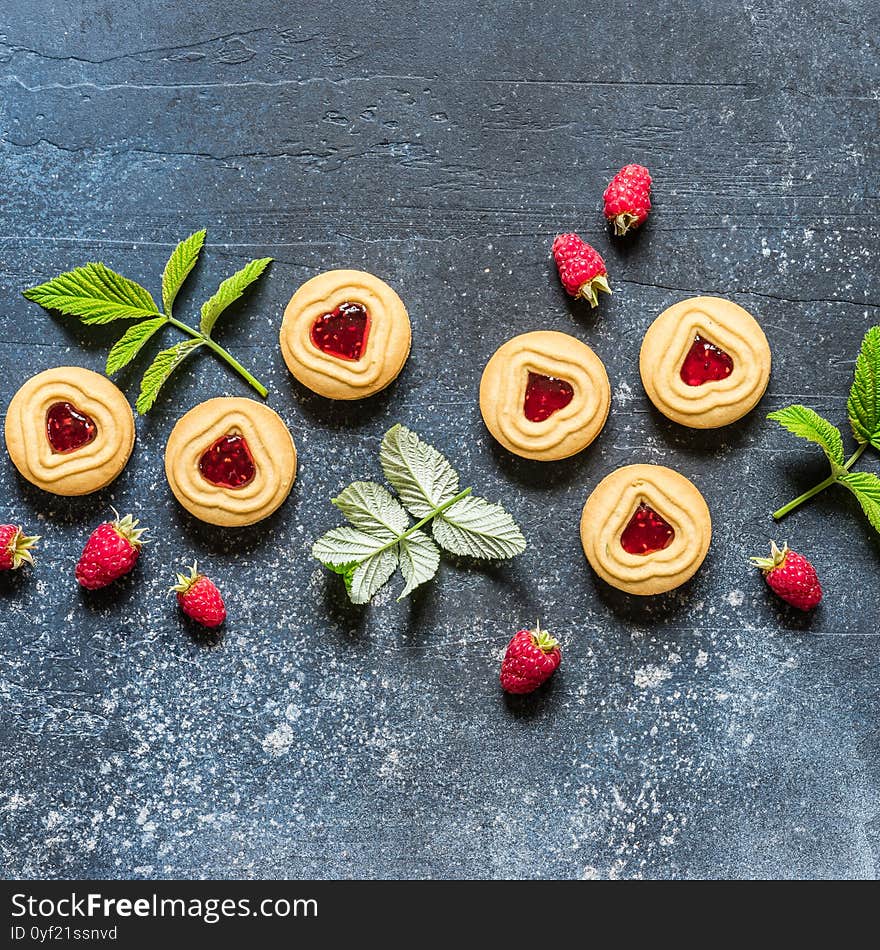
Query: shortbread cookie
[544, 395]
[69, 431]
[230, 461]
[705, 362]
[646, 529]
[345, 334]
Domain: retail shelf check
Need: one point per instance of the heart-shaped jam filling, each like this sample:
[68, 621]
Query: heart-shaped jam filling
[228, 463]
[646, 532]
[68, 428]
[705, 363]
[545, 395]
[343, 331]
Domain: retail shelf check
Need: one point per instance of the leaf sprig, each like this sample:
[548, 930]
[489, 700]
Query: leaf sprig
[863, 409]
[97, 295]
[378, 537]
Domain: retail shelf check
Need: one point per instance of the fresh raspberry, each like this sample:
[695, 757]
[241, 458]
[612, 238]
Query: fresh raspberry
[628, 198]
[581, 268]
[531, 659]
[791, 576]
[199, 598]
[15, 547]
[111, 551]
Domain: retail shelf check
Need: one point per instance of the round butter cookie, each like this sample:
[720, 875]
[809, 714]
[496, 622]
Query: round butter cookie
[345, 334]
[705, 362]
[545, 395]
[646, 529]
[230, 461]
[69, 430]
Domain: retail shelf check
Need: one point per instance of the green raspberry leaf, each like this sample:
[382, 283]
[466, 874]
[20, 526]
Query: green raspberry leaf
[371, 575]
[362, 558]
[372, 508]
[378, 539]
[422, 477]
[229, 291]
[863, 405]
[127, 347]
[180, 264]
[477, 528]
[95, 294]
[164, 364]
[807, 424]
[345, 547]
[866, 487]
[419, 560]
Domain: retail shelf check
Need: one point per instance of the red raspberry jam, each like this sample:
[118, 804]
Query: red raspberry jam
[705, 363]
[68, 429]
[544, 395]
[646, 532]
[343, 331]
[228, 463]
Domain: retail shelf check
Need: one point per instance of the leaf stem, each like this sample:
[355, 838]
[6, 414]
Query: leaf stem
[827, 483]
[223, 354]
[420, 524]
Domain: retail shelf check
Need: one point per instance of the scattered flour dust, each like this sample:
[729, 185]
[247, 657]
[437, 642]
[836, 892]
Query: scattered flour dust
[278, 741]
[391, 766]
[736, 598]
[623, 394]
[650, 676]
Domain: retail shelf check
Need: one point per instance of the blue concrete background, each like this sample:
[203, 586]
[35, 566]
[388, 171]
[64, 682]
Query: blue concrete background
[442, 146]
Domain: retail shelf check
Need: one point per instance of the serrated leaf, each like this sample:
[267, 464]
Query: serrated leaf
[372, 508]
[370, 575]
[127, 347]
[807, 424]
[165, 363]
[866, 487]
[422, 477]
[229, 291]
[863, 405]
[367, 551]
[95, 294]
[365, 560]
[478, 528]
[182, 261]
[346, 569]
[345, 547]
[419, 560]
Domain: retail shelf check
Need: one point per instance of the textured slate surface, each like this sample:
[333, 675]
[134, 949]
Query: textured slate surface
[707, 733]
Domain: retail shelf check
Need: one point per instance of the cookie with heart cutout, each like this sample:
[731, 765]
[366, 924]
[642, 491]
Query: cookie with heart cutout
[646, 529]
[230, 461]
[345, 334]
[705, 362]
[69, 431]
[545, 395]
